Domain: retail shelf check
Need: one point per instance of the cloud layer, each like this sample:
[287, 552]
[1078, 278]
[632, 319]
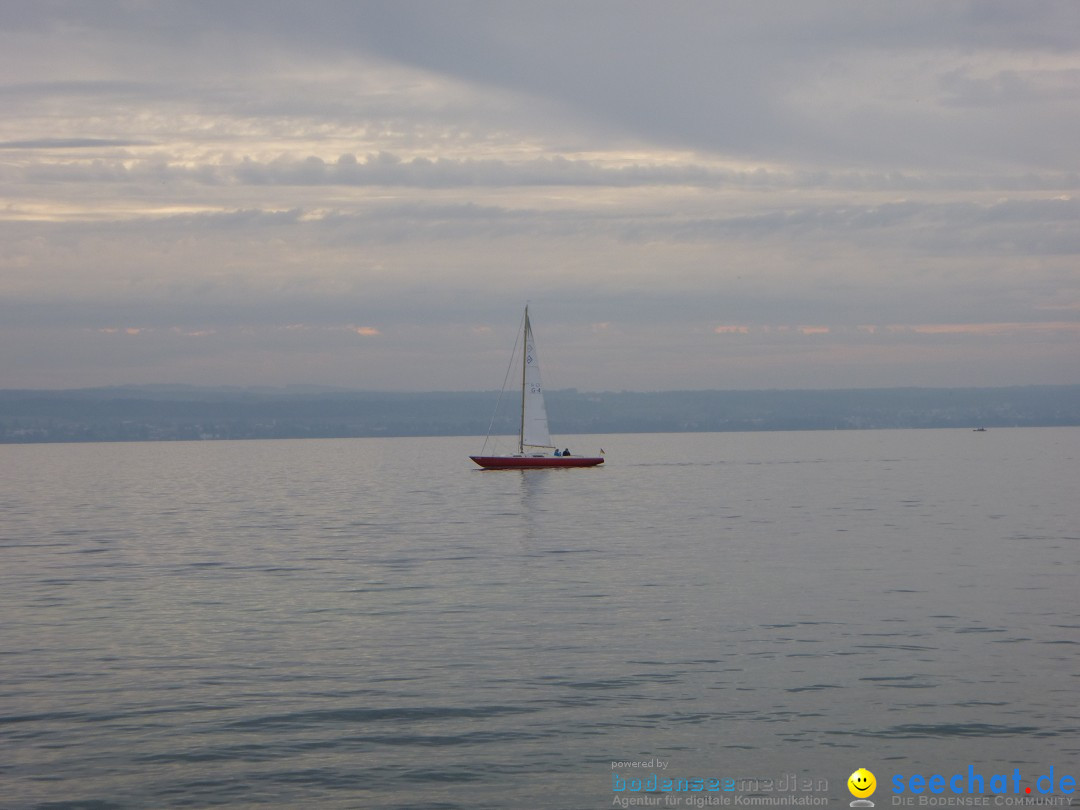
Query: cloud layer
[693, 195]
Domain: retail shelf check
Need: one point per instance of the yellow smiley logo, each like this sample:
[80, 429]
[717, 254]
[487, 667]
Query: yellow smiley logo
[862, 783]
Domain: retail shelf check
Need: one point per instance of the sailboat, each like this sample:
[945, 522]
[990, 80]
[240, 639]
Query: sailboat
[535, 448]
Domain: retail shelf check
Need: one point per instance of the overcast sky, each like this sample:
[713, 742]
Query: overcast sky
[812, 193]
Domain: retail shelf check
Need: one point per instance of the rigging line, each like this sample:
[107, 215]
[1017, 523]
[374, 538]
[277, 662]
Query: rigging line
[509, 368]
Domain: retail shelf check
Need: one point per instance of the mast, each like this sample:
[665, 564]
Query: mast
[524, 362]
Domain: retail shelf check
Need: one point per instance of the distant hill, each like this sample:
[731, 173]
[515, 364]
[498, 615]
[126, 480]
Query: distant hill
[174, 412]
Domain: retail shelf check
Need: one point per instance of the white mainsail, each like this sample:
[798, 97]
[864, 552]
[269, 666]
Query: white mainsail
[534, 423]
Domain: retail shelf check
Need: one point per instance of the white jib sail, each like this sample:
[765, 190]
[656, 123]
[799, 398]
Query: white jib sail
[534, 423]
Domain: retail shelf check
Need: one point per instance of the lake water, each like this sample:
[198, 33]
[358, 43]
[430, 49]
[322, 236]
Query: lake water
[376, 623]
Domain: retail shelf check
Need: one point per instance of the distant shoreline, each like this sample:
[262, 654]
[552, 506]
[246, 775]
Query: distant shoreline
[173, 413]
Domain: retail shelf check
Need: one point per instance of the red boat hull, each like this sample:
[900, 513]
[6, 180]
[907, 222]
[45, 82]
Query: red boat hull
[535, 462]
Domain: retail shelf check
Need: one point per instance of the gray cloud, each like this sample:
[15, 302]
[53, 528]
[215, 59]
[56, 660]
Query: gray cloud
[720, 77]
[70, 143]
[730, 78]
[868, 193]
[389, 169]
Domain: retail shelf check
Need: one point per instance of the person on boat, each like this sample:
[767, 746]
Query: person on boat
[557, 452]
[566, 452]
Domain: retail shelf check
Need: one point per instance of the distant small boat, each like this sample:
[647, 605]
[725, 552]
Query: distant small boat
[979, 430]
[533, 435]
